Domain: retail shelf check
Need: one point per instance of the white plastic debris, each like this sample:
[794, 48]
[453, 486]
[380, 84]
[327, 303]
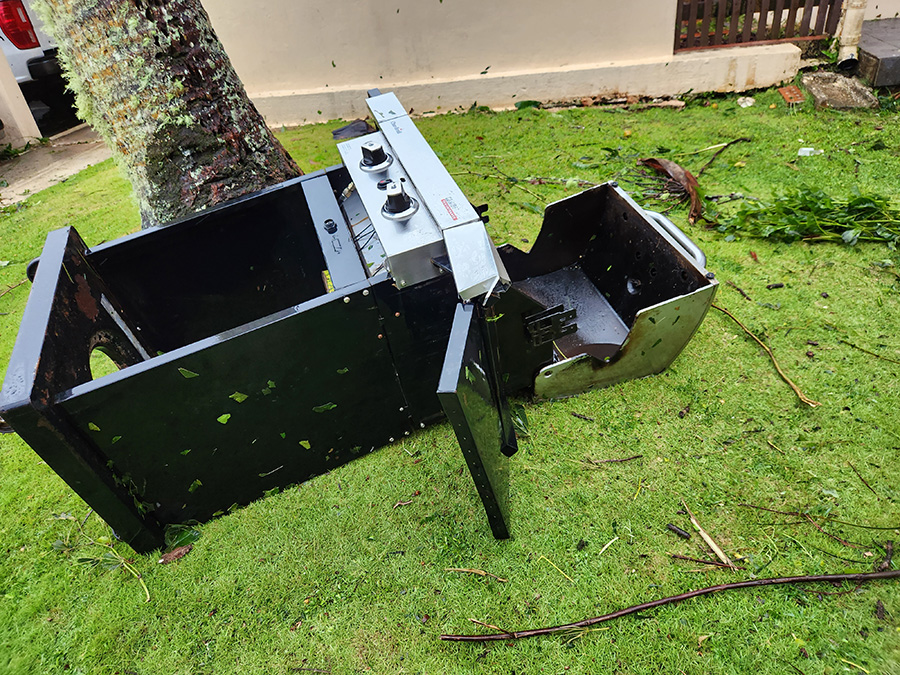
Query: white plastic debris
[808, 152]
[746, 101]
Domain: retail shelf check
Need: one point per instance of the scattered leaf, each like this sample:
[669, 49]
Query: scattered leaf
[306, 444]
[172, 556]
[177, 536]
[681, 176]
[223, 419]
[93, 427]
[188, 374]
[239, 397]
[197, 483]
[324, 407]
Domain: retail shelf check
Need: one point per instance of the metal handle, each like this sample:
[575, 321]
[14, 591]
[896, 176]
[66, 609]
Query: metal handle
[680, 237]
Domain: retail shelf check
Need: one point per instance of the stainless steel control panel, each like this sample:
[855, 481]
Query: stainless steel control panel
[416, 208]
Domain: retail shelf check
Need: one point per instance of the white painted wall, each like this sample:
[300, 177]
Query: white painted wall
[304, 61]
[882, 9]
[279, 45]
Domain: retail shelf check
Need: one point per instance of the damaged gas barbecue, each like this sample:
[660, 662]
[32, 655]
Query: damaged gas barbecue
[283, 334]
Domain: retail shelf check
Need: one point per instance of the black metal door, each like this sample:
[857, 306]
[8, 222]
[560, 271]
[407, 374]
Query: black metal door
[473, 400]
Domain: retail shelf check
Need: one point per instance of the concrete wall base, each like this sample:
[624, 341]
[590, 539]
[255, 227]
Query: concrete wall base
[720, 70]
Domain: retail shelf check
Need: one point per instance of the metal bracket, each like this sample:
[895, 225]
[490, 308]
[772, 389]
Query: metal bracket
[550, 324]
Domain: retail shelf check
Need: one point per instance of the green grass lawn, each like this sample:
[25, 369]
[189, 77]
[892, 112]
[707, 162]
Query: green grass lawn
[331, 577]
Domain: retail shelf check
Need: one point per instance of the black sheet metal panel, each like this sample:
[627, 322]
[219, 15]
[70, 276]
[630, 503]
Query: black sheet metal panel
[70, 312]
[605, 234]
[218, 269]
[223, 420]
[519, 358]
[417, 321]
[469, 394]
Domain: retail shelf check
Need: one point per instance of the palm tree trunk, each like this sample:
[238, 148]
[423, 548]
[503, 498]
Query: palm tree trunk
[153, 79]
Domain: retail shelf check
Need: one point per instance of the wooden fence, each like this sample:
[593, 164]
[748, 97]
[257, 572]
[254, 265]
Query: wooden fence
[705, 24]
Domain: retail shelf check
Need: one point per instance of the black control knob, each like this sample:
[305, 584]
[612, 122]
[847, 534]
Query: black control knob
[399, 205]
[397, 199]
[374, 157]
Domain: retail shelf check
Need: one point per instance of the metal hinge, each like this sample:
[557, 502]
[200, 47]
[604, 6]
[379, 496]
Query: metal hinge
[550, 324]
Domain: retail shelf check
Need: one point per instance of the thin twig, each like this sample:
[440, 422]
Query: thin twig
[830, 536]
[763, 508]
[480, 573]
[543, 557]
[12, 288]
[720, 151]
[800, 394]
[806, 517]
[824, 578]
[865, 482]
[489, 625]
[608, 544]
[738, 289]
[609, 461]
[720, 554]
[855, 665]
[866, 351]
[715, 563]
[862, 527]
[515, 182]
[775, 446]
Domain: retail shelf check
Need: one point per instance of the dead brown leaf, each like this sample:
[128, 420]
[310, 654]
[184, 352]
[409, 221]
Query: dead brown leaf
[683, 177]
[175, 554]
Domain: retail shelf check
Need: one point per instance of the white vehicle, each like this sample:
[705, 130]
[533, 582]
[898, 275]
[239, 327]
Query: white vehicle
[30, 51]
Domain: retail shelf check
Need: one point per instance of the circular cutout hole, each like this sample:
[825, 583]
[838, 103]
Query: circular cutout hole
[633, 286]
[101, 364]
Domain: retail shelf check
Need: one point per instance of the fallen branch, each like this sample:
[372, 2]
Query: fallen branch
[805, 399]
[671, 600]
[480, 573]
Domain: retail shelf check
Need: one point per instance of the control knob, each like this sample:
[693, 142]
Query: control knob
[399, 205]
[374, 158]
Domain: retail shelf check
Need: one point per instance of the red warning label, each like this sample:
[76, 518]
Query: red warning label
[449, 208]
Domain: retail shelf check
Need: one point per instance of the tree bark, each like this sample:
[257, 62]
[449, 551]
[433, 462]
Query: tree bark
[153, 79]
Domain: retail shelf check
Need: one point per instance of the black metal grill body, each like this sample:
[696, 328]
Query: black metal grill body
[258, 347]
